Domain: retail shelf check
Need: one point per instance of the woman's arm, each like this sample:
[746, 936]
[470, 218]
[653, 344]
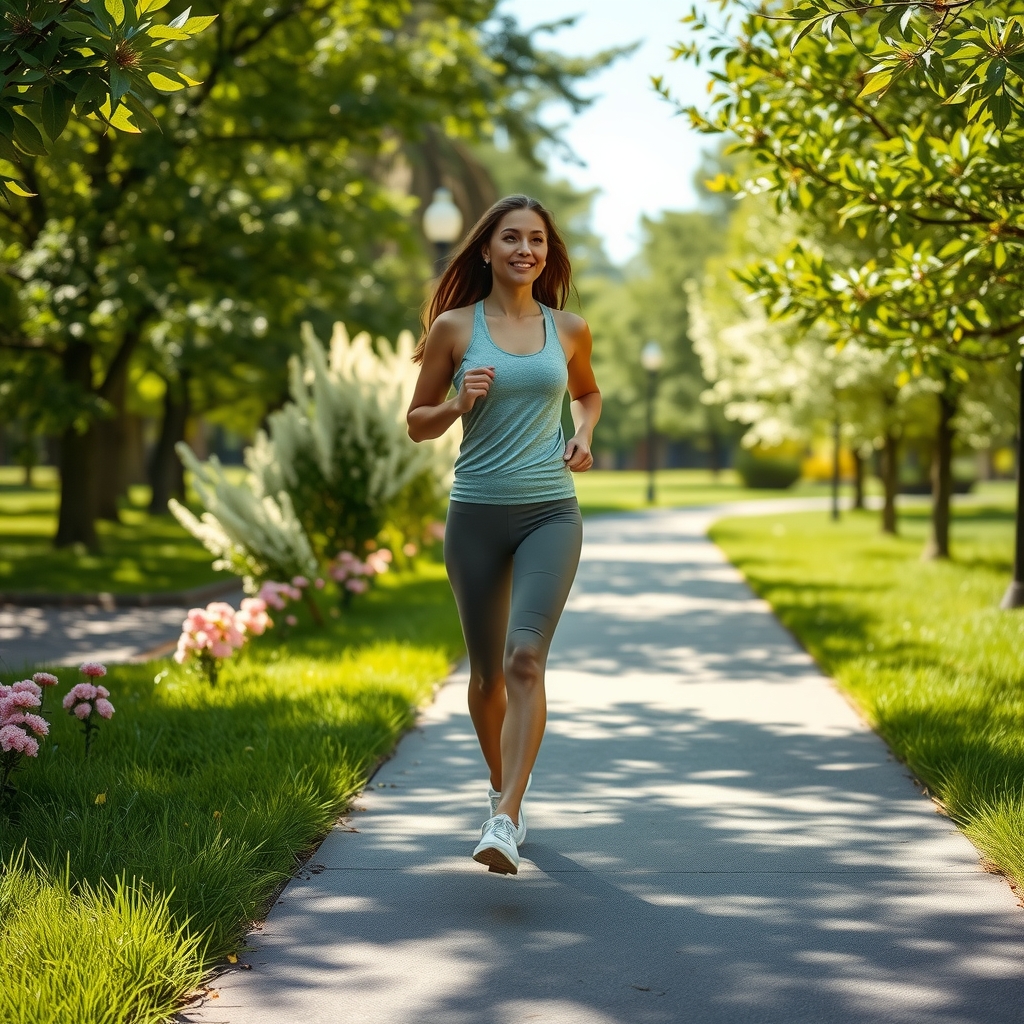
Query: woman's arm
[585, 406]
[430, 415]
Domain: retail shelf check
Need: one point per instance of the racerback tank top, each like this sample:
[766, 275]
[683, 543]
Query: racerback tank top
[512, 440]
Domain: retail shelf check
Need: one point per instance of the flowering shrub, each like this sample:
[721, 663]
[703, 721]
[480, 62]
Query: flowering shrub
[19, 727]
[353, 574]
[277, 595]
[335, 469]
[86, 701]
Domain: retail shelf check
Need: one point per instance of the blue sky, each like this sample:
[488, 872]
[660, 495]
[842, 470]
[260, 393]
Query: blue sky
[635, 149]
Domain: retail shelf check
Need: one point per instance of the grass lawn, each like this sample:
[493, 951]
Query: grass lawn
[143, 865]
[603, 490]
[142, 553]
[921, 646]
[153, 553]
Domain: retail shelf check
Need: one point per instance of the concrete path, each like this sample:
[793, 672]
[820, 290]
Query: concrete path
[714, 837]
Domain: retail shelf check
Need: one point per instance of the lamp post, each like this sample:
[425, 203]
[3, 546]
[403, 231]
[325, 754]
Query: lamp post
[442, 224]
[651, 359]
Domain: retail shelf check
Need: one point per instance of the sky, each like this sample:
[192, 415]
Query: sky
[636, 150]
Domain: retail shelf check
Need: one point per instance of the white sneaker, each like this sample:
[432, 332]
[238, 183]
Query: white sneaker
[497, 849]
[495, 798]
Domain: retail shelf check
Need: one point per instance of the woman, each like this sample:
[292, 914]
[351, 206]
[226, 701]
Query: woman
[496, 328]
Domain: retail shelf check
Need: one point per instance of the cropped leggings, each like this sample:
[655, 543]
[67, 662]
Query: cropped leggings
[510, 567]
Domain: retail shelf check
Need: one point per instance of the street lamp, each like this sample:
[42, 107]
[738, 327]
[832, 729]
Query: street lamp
[442, 224]
[651, 359]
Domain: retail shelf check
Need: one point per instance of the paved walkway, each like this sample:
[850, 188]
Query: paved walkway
[714, 837]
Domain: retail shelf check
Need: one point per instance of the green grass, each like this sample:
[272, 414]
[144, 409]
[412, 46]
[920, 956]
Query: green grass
[210, 798]
[624, 490]
[922, 647]
[141, 553]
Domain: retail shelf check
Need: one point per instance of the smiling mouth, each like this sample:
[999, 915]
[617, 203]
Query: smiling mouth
[519, 265]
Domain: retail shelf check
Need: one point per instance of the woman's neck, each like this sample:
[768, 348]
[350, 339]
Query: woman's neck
[511, 303]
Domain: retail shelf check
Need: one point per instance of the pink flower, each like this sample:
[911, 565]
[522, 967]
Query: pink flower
[410, 550]
[13, 737]
[319, 583]
[377, 562]
[22, 699]
[44, 679]
[82, 711]
[92, 669]
[27, 686]
[357, 586]
[300, 582]
[102, 691]
[338, 573]
[39, 725]
[84, 691]
[252, 617]
[221, 649]
[104, 708]
[69, 699]
[291, 620]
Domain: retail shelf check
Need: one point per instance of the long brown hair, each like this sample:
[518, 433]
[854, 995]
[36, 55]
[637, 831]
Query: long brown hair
[467, 279]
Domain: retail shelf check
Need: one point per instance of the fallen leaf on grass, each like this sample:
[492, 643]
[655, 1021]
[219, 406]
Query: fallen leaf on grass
[232, 958]
[101, 798]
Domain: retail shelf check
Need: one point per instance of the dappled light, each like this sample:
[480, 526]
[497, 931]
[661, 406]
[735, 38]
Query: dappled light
[714, 835]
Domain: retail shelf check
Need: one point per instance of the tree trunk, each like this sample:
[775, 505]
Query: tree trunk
[1014, 596]
[76, 519]
[714, 452]
[858, 479]
[890, 480]
[835, 467]
[166, 475]
[111, 479]
[942, 478]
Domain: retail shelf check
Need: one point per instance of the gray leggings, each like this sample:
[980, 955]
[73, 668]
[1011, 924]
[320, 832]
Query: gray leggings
[511, 567]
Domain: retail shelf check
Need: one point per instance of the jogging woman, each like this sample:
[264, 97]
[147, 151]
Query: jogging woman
[496, 329]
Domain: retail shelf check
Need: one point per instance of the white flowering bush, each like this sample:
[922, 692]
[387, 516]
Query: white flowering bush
[341, 449]
[336, 467]
[251, 533]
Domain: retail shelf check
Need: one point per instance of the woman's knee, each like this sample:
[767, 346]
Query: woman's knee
[524, 664]
[487, 683]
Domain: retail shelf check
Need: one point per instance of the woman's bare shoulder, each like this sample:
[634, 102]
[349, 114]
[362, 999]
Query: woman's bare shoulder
[453, 329]
[571, 326]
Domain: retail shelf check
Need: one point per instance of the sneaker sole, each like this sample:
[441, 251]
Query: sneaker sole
[495, 860]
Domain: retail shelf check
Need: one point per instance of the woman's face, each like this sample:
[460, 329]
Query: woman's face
[518, 248]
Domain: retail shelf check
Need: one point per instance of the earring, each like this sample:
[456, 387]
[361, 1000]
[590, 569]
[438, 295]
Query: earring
[487, 262]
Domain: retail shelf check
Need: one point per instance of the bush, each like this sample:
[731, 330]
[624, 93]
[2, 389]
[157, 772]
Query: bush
[336, 468]
[776, 472]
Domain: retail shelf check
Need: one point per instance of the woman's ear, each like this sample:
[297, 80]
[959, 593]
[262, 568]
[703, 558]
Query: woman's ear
[485, 252]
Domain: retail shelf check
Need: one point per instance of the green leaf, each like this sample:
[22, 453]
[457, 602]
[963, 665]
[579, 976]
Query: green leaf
[120, 83]
[115, 8]
[27, 136]
[1000, 108]
[999, 256]
[163, 83]
[198, 24]
[80, 27]
[93, 91]
[878, 83]
[19, 188]
[147, 6]
[166, 32]
[6, 123]
[56, 109]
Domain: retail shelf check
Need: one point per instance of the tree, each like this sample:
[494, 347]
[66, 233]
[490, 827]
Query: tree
[652, 303]
[966, 51]
[103, 61]
[263, 202]
[937, 195]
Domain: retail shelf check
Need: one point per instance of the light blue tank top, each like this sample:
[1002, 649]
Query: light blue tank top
[512, 440]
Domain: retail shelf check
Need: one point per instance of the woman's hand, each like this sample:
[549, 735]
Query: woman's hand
[475, 385]
[577, 455]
